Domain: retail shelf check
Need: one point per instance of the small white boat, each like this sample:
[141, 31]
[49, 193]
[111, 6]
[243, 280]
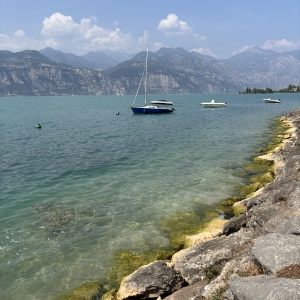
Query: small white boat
[162, 102]
[213, 104]
[269, 100]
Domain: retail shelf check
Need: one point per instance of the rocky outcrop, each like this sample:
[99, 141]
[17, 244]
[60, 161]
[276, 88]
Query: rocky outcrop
[258, 255]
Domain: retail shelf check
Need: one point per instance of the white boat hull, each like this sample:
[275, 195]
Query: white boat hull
[272, 100]
[162, 102]
[213, 104]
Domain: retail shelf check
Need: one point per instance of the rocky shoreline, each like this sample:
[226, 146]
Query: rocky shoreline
[254, 256]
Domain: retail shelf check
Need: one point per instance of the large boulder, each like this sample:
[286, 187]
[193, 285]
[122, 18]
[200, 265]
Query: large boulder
[275, 251]
[264, 287]
[194, 262]
[150, 281]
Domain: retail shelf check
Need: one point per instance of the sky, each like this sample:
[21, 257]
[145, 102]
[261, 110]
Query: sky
[220, 28]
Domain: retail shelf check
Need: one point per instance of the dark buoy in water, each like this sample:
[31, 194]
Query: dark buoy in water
[38, 126]
[117, 113]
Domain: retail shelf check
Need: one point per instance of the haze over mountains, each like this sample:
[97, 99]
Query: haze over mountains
[170, 71]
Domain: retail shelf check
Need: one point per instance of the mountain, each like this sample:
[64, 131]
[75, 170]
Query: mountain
[119, 56]
[69, 59]
[29, 73]
[100, 60]
[170, 71]
[91, 60]
[267, 68]
[173, 71]
[203, 56]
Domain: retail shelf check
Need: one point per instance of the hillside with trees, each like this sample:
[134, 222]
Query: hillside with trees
[290, 89]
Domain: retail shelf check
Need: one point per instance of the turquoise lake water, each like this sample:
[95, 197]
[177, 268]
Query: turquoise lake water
[89, 182]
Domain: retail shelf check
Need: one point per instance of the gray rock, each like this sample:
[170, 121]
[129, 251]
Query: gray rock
[228, 295]
[150, 281]
[188, 292]
[264, 288]
[276, 251]
[292, 226]
[295, 197]
[234, 224]
[282, 222]
[192, 262]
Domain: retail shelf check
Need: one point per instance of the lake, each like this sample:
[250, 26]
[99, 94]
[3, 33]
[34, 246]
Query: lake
[91, 183]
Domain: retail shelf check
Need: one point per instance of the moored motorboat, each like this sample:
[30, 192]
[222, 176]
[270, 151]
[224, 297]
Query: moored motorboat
[162, 102]
[269, 100]
[213, 104]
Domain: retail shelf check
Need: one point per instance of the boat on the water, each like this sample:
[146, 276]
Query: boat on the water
[269, 100]
[148, 109]
[213, 104]
[162, 102]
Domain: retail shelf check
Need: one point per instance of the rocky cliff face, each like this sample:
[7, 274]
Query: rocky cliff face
[170, 71]
[29, 73]
[267, 68]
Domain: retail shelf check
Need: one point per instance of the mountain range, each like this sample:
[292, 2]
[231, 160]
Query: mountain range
[170, 71]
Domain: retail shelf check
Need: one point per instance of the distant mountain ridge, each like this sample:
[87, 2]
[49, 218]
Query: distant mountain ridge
[170, 71]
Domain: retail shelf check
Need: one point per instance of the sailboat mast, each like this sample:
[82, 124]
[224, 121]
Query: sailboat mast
[146, 77]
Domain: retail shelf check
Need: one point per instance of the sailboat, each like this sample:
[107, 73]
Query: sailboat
[148, 109]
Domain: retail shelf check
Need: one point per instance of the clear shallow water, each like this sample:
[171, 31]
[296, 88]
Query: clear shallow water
[90, 182]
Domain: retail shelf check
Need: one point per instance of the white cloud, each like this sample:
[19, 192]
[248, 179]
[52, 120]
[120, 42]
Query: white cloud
[281, 45]
[20, 33]
[19, 42]
[157, 45]
[63, 32]
[173, 26]
[59, 25]
[204, 51]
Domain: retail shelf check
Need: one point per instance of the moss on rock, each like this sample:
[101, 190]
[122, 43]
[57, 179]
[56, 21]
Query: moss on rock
[264, 179]
[238, 209]
[111, 295]
[87, 291]
[227, 205]
[255, 168]
[125, 263]
[180, 225]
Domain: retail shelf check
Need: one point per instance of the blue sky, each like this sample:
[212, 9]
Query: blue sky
[215, 27]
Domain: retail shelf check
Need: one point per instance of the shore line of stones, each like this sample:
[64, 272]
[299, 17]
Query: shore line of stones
[255, 256]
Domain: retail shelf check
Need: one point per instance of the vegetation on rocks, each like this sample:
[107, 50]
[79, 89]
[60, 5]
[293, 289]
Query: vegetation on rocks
[125, 263]
[88, 291]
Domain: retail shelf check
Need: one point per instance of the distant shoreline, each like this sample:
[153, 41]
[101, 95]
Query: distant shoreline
[290, 89]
